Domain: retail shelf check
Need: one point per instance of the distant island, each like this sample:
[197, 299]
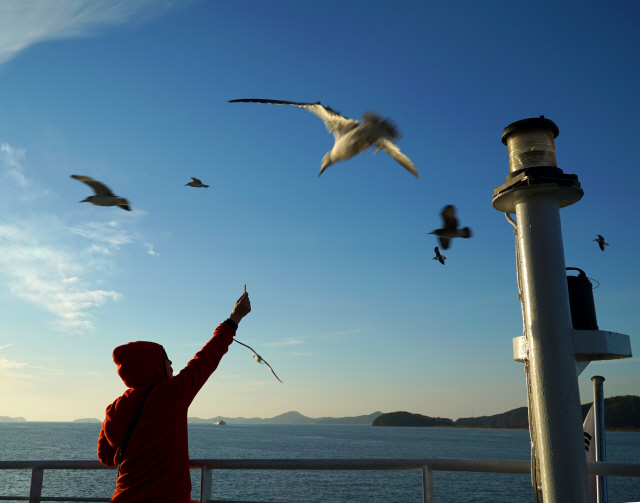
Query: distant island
[621, 413]
[87, 420]
[291, 418]
[409, 419]
[7, 419]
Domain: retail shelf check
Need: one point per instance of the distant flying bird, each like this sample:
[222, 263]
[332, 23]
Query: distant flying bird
[450, 229]
[104, 196]
[439, 256]
[196, 183]
[351, 136]
[601, 242]
[258, 358]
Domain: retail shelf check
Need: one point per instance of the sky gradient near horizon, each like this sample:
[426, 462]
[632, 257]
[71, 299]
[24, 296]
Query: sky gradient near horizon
[348, 307]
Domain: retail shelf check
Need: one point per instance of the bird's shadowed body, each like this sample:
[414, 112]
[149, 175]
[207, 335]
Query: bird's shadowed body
[450, 228]
[103, 196]
[601, 242]
[351, 136]
[195, 183]
[439, 256]
[258, 358]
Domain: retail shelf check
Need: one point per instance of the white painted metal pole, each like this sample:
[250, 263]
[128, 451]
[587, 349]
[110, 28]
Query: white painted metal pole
[601, 444]
[554, 382]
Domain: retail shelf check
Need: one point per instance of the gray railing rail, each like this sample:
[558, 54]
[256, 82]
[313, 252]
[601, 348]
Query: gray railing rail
[206, 466]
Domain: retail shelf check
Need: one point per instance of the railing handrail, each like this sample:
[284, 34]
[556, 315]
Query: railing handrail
[608, 468]
[206, 466]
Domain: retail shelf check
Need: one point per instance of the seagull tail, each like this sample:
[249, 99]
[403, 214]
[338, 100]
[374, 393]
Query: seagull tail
[466, 233]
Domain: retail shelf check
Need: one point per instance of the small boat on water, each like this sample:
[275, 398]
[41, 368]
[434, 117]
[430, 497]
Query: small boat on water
[220, 423]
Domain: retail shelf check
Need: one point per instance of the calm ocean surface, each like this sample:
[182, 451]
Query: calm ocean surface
[51, 441]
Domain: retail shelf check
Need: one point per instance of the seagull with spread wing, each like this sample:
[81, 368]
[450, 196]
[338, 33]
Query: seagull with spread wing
[195, 183]
[258, 358]
[439, 256]
[450, 229]
[601, 242]
[351, 136]
[103, 196]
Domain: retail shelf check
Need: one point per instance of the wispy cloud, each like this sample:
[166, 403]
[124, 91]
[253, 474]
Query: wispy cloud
[41, 273]
[110, 233]
[302, 339]
[149, 246]
[12, 167]
[7, 345]
[288, 342]
[26, 22]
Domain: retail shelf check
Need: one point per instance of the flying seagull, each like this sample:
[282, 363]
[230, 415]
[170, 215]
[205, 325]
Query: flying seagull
[439, 256]
[258, 358]
[351, 136]
[601, 242]
[195, 183]
[104, 196]
[450, 229]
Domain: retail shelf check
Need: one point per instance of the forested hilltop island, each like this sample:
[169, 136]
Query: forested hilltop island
[621, 413]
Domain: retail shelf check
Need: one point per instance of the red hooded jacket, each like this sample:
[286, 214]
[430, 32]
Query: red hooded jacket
[155, 467]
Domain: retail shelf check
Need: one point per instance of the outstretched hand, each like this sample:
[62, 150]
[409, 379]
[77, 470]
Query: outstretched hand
[242, 307]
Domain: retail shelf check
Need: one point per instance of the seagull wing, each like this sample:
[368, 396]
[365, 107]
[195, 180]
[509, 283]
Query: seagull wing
[444, 242]
[392, 149]
[259, 359]
[195, 179]
[99, 188]
[253, 350]
[449, 218]
[265, 362]
[335, 123]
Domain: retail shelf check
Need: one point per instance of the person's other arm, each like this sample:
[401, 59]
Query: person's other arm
[106, 453]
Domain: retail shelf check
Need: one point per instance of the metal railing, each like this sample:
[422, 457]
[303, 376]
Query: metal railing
[207, 466]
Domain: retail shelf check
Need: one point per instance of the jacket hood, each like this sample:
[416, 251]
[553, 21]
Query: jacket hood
[140, 363]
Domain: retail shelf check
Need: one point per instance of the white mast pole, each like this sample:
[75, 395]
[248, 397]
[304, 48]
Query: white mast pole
[535, 191]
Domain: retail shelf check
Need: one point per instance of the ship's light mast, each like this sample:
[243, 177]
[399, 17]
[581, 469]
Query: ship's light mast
[554, 355]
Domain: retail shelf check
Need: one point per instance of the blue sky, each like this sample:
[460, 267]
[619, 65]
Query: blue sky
[348, 306]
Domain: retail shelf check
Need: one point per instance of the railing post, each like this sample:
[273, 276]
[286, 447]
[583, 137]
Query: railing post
[600, 442]
[35, 492]
[427, 485]
[205, 485]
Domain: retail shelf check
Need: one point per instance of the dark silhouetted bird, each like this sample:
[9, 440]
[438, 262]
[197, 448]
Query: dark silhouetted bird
[195, 183]
[450, 229]
[104, 196]
[258, 358]
[351, 136]
[601, 242]
[439, 256]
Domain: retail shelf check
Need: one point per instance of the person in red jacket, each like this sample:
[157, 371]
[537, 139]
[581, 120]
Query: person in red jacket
[155, 465]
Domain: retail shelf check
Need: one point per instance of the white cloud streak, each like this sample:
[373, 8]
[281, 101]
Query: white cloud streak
[26, 22]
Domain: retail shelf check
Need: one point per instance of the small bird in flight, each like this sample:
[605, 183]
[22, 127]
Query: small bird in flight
[601, 242]
[195, 183]
[351, 136]
[258, 358]
[104, 196]
[439, 256]
[450, 229]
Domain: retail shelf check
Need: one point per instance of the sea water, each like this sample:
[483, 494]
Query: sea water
[66, 441]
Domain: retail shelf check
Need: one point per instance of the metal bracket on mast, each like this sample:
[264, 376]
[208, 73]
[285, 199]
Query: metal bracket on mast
[588, 346]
